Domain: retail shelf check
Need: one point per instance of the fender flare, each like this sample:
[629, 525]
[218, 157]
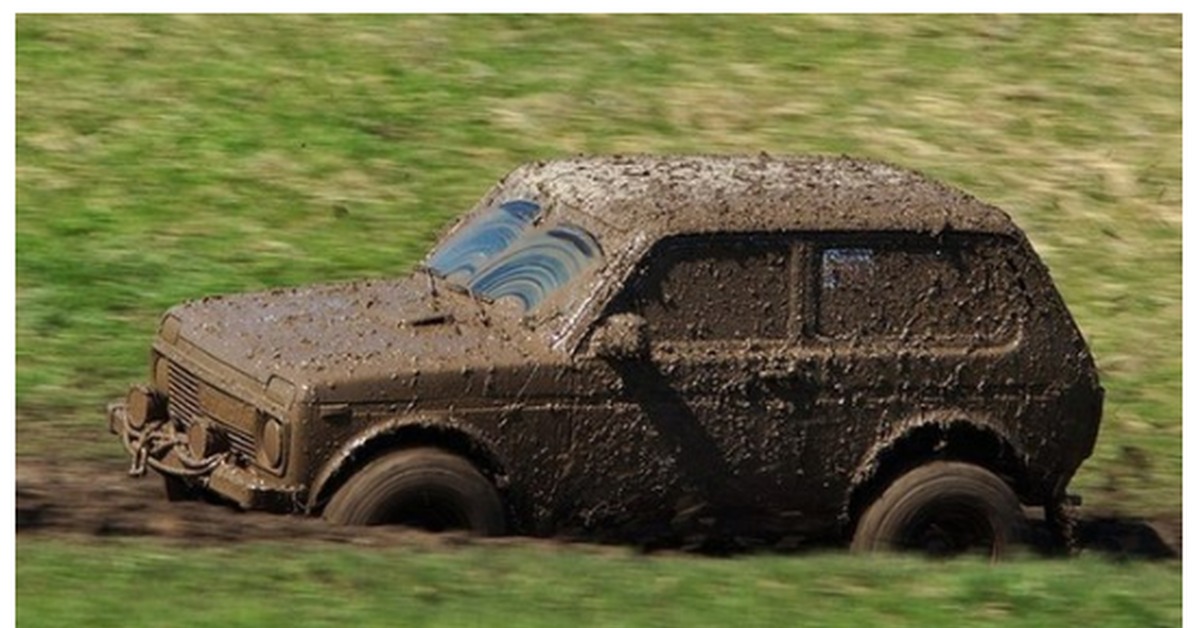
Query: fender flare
[418, 430]
[934, 434]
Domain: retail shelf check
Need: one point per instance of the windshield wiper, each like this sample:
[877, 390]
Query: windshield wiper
[429, 275]
[435, 278]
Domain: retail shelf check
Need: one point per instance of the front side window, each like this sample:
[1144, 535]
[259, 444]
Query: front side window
[508, 251]
[706, 288]
[956, 290]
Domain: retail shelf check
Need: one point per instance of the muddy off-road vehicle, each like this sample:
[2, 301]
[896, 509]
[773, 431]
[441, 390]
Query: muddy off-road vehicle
[651, 348]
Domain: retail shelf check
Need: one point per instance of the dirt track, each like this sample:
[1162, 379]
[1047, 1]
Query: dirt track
[100, 499]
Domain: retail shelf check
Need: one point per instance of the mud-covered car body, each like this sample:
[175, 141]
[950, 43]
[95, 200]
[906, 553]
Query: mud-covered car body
[753, 345]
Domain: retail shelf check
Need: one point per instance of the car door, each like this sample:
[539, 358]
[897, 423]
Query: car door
[718, 386]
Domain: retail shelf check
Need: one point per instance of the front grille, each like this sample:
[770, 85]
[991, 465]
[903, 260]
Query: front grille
[184, 405]
[184, 390]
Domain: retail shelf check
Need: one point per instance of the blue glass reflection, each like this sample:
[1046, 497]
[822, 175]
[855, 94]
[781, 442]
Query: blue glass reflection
[463, 255]
[538, 265]
[502, 253]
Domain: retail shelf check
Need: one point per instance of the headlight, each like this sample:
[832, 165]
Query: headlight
[162, 373]
[270, 443]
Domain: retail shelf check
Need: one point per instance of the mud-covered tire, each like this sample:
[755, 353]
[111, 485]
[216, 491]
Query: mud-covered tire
[423, 488]
[943, 508]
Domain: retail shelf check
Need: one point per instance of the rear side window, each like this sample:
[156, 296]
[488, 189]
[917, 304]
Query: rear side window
[958, 290]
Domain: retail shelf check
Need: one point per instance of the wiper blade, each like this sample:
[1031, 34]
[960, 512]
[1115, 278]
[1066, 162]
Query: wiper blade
[435, 279]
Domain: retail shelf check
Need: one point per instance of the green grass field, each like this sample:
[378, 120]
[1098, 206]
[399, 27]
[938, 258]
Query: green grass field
[161, 158]
[122, 584]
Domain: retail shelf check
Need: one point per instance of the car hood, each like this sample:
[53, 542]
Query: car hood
[361, 341]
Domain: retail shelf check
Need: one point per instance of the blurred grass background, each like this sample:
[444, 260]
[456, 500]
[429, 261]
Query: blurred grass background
[161, 158]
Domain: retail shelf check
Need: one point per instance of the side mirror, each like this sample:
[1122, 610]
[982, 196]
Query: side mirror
[621, 337]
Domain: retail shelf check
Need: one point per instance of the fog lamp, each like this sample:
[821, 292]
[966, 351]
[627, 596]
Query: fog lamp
[202, 441]
[143, 405]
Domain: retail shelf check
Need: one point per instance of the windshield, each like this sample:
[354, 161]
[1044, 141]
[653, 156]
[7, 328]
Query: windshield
[505, 251]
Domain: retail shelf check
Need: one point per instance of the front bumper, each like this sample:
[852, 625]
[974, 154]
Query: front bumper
[154, 441]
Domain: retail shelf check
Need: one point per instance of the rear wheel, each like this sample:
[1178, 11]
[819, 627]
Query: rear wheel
[943, 509]
[424, 488]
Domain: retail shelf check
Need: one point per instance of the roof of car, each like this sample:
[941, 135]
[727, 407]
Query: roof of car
[667, 195]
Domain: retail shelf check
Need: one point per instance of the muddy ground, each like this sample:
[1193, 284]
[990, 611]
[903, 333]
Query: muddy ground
[94, 499]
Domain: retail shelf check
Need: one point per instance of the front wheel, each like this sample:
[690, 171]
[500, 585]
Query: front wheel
[943, 508]
[424, 488]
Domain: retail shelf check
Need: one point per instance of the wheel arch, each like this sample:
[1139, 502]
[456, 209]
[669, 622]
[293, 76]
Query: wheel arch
[400, 433]
[938, 436]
